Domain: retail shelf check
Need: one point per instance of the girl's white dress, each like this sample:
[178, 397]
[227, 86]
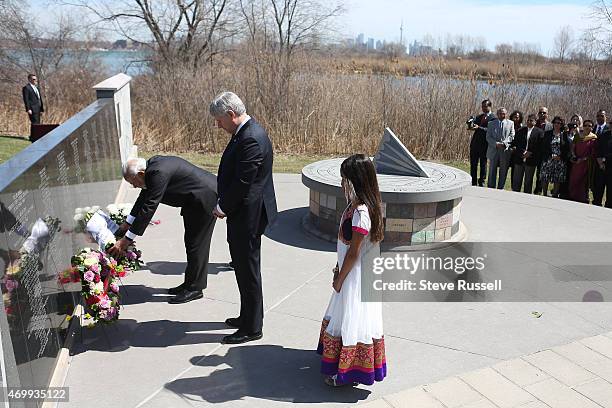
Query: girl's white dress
[351, 340]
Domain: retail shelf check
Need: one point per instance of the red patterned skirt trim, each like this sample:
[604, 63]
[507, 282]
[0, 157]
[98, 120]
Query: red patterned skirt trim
[361, 363]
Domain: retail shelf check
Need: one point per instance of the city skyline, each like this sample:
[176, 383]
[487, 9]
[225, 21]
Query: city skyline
[501, 22]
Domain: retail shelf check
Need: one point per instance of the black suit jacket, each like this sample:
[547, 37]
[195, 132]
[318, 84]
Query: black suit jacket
[546, 149]
[604, 145]
[520, 143]
[31, 100]
[175, 182]
[606, 127]
[479, 138]
[244, 181]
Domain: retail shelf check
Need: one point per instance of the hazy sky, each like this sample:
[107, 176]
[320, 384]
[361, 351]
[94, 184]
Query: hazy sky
[533, 21]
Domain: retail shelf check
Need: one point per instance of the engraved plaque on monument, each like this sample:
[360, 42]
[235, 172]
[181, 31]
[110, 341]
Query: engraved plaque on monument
[76, 165]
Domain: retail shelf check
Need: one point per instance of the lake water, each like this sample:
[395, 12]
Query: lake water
[114, 62]
[135, 62]
[128, 62]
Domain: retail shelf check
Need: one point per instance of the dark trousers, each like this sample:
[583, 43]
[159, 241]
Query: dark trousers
[523, 173]
[516, 179]
[245, 250]
[564, 187]
[478, 155]
[608, 178]
[538, 183]
[35, 118]
[199, 228]
[599, 185]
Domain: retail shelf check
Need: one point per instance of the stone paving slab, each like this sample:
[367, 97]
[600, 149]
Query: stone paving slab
[518, 383]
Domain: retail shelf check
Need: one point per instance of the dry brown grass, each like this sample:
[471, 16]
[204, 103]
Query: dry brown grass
[327, 111]
[65, 94]
[463, 68]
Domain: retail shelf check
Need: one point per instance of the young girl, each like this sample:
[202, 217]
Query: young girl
[351, 341]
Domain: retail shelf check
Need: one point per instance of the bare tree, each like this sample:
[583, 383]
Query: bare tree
[586, 47]
[26, 48]
[504, 50]
[602, 29]
[179, 30]
[563, 42]
[275, 30]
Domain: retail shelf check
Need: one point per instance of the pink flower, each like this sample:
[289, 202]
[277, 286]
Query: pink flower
[131, 255]
[114, 287]
[104, 303]
[88, 276]
[95, 268]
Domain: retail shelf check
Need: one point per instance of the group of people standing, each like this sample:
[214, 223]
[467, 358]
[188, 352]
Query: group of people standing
[567, 160]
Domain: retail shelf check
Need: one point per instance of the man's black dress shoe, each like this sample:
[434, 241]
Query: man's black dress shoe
[176, 290]
[240, 337]
[233, 322]
[186, 296]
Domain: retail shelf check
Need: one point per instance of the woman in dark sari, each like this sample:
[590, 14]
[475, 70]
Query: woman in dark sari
[583, 159]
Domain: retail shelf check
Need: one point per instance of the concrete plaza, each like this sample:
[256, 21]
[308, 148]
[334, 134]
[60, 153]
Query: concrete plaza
[438, 354]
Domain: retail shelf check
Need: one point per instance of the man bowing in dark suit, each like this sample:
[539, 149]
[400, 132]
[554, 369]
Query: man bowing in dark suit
[246, 197]
[175, 182]
[32, 99]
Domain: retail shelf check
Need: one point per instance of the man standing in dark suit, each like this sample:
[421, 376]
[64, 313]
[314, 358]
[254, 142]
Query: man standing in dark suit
[478, 143]
[175, 182]
[525, 155]
[544, 124]
[32, 99]
[246, 197]
[599, 176]
[604, 162]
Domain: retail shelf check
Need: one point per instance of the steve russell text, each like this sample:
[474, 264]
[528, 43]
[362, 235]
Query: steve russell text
[427, 285]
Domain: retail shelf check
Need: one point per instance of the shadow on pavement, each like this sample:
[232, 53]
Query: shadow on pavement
[126, 333]
[268, 372]
[178, 268]
[288, 230]
[137, 294]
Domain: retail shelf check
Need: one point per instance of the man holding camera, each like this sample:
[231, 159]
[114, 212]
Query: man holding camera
[478, 143]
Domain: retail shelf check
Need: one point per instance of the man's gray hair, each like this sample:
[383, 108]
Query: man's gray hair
[134, 165]
[502, 109]
[225, 102]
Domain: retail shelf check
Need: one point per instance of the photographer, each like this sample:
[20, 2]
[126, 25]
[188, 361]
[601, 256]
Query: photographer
[478, 143]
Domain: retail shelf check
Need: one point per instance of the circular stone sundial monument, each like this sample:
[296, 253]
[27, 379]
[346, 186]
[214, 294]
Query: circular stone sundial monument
[421, 200]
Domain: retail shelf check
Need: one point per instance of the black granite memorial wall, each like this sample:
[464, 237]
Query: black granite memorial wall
[76, 165]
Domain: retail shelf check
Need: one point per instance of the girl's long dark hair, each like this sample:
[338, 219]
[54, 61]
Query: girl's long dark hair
[359, 170]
